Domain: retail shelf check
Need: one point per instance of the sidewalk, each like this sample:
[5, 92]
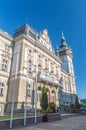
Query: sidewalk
[71, 123]
[66, 115]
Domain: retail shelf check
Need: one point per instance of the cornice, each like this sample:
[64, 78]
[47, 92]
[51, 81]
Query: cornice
[63, 71]
[6, 35]
[3, 74]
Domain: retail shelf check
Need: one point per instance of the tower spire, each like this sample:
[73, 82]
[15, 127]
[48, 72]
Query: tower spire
[62, 34]
[63, 41]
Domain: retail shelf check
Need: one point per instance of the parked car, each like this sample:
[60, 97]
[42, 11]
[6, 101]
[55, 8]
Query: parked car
[82, 109]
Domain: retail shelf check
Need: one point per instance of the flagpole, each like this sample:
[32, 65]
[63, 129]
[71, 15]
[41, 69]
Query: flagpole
[14, 92]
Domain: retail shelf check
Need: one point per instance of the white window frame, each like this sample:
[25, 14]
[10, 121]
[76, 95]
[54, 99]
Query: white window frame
[4, 64]
[29, 90]
[29, 66]
[1, 88]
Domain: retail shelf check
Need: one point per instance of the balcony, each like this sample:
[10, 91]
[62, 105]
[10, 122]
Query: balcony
[48, 78]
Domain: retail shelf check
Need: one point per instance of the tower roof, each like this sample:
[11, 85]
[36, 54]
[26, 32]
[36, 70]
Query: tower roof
[63, 41]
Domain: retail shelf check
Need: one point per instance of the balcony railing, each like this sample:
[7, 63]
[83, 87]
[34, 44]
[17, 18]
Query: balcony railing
[48, 77]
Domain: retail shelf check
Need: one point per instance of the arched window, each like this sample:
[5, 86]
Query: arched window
[29, 66]
[53, 96]
[1, 88]
[39, 95]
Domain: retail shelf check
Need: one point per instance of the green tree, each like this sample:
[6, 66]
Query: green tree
[83, 105]
[44, 99]
[77, 105]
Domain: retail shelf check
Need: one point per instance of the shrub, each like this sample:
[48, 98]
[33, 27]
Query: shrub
[51, 108]
[72, 108]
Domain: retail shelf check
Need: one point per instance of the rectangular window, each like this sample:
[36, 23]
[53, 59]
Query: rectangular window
[7, 48]
[29, 66]
[1, 89]
[4, 64]
[29, 90]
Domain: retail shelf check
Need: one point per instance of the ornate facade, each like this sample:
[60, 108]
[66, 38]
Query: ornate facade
[5, 67]
[35, 65]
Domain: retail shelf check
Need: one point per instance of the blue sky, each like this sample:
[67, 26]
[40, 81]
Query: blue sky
[55, 16]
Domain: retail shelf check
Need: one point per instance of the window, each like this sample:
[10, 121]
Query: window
[4, 64]
[39, 56]
[28, 90]
[64, 102]
[6, 48]
[52, 74]
[46, 71]
[39, 88]
[30, 51]
[1, 89]
[39, 68]
[29, 66]
[39, 96]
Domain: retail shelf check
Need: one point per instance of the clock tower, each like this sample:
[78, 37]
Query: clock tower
[65, 55]
[67, 72]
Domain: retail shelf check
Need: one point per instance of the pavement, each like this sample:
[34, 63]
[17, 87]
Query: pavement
[69, 123]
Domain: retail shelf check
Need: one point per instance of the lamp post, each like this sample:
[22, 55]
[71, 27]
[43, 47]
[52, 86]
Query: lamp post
[36, 98]
[36, 75]
[14, 92]
[25, 105]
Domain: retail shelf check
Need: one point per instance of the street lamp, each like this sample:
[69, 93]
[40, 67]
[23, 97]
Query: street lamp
[25, 105]
[35, 105]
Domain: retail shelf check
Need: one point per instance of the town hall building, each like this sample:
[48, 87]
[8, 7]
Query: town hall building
[28, 63]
